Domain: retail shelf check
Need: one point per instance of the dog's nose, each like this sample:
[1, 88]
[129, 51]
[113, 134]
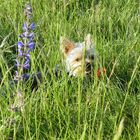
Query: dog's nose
[88, 66]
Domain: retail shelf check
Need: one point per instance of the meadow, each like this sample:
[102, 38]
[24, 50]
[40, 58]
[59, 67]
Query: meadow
[64, 107]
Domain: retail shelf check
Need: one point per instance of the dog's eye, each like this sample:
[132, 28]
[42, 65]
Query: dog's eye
[77, 59]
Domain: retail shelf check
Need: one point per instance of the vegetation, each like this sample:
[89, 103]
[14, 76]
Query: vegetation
[72, 108]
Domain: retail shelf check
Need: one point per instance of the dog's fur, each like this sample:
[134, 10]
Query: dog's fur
[78, 57]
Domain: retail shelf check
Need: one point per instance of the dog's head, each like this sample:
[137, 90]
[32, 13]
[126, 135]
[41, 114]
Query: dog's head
[78, 57]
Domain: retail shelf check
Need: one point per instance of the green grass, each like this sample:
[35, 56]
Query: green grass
[73, 108]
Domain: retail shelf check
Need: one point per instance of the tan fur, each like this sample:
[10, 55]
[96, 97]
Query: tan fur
[66, 46]
[78, 57]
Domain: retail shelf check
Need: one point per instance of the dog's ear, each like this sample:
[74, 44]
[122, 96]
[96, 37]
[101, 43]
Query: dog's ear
[66, 45]
[88, 41]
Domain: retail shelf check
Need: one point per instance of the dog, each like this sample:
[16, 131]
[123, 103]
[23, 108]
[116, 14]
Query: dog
[78, 57]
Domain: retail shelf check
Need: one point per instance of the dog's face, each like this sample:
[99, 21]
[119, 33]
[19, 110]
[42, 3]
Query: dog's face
[78, 57]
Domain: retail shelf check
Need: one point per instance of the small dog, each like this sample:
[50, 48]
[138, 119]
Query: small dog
[79, 57]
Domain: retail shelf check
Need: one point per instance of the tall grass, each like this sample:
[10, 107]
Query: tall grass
[73, 108]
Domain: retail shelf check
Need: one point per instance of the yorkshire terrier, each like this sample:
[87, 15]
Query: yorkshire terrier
[78, 57]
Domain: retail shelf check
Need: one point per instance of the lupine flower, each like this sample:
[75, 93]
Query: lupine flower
[25, 45]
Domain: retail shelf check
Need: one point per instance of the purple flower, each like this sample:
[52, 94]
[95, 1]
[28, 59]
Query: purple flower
[31, 45]
[26, 66]
[24, 35]
[20, 44]
[32, 26]
[20, 53]
[31, 36]
[27, 56]
[27, 61]
[25, 27]
[26, 76]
